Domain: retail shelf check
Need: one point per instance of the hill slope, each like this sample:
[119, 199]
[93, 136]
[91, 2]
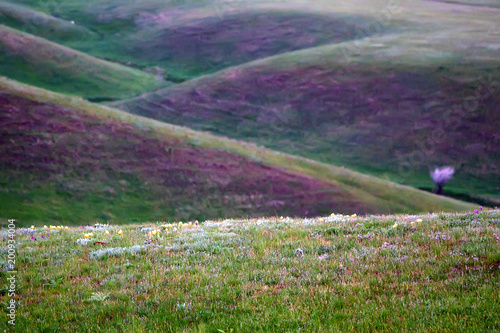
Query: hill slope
[191, 47]
[190, 38]
[394, 105]
[65, 159]
[40, 62]
[393, 93]
[42, 25]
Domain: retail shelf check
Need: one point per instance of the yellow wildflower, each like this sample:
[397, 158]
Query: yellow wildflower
[412, 224]
[45, 227]
[120, 232]
[395, 225]
[106, 232]
[419, 220]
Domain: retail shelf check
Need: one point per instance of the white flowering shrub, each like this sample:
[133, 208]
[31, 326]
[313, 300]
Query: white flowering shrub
[441, 176]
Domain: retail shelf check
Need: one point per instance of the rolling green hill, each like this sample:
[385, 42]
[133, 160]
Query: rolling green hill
[396, 122]
[395, 104]
[42, 25]
[42, 63]
[65, 159]
[189, 48]
[191, 38]
[388, 89]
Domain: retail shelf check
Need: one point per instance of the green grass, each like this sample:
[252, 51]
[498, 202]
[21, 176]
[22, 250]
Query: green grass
[335, 273]
[352, 191]
[33, 199]
[38, 62]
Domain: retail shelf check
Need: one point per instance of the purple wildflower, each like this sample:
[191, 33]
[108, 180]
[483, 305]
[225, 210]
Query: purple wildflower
[481, 208]
[43, 236]
[476, 211]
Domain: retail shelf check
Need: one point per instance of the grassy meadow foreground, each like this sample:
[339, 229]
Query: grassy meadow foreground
[426, 273]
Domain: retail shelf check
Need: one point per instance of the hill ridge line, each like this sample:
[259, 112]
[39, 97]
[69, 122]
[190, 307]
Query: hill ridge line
[349, 180]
